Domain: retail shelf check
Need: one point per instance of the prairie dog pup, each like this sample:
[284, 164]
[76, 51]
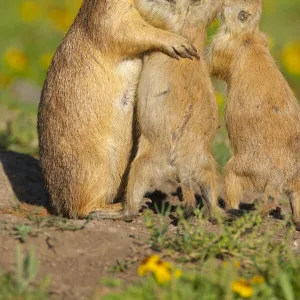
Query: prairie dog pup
[177, 113]
[262, 113]
[86, 108]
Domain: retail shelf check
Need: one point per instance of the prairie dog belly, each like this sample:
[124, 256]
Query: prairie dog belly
[152, 93]
[128, 74]
[165, 94]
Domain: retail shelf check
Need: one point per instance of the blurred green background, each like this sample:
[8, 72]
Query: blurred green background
[30, 32]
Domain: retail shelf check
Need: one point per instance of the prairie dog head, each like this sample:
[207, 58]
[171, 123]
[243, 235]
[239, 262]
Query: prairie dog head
[165, 14]
[241, 16]
[239, 28]
[202, 12]
[174, 14]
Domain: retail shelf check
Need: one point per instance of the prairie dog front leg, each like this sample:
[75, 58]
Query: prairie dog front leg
[135, 36]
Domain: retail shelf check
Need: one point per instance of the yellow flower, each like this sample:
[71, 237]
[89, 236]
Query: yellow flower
[4, 81]
[236, 264]
[162, 274]
[291, 57]
[242, 287]
[177, 273]
[61, 18]
[257, 280]
[162, 271]
[46, 59]
[16, 59]
[148, 265]
[29, 11]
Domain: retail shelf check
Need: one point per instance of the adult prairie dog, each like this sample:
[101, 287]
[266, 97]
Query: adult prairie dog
[262, 113]
[177, 113]
[86, 108]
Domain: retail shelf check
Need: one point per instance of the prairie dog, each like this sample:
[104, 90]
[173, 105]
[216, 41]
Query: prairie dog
[177, 114]
[262, 114]
[86, 108]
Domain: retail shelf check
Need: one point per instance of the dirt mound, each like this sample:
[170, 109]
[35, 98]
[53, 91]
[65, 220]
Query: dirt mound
[75, 259]
[20, 180]
[76, 254]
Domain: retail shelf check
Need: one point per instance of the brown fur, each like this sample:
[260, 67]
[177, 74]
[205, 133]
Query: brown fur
[177, 114]
[86, 109]
[262, 113]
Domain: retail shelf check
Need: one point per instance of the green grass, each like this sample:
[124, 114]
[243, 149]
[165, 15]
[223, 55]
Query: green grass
[213, 262]
[22, 231]
[22, 282]
[215, 282]
[250, 253]
[241, 239]
[18, 131]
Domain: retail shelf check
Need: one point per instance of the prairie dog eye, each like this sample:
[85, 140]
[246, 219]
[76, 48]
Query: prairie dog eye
[243, 16]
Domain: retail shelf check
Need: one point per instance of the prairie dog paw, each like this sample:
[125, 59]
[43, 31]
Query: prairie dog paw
[178, 46]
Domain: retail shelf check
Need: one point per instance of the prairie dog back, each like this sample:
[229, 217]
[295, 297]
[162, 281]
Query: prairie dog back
[262, 113]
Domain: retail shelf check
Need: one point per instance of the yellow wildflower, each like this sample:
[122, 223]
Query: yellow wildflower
[162, 274]
[29, 11]
[61, 18]
[16, 59]
[242, 287]
[148, 265]
[257, 280]
[45, 60]
[291, 57]
[177, 273]
[5, 81]
[162, 271]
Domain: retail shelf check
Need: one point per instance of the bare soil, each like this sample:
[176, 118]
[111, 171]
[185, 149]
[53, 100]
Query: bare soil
[76, 260]
[78, 256]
